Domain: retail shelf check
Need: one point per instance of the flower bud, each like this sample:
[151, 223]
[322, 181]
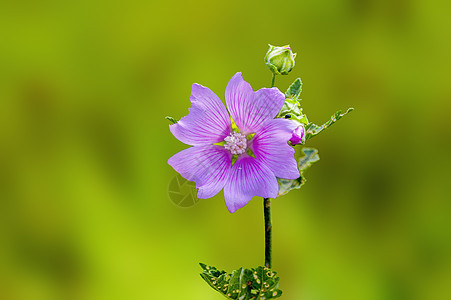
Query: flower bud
[297, 135]
[280, 60]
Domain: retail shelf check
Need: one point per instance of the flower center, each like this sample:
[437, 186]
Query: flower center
[236, 143]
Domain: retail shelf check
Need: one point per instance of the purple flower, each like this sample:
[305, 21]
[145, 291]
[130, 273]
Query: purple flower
[260, 147]
[298, 134]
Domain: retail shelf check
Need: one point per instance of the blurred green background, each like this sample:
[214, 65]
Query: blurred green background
[84, 206]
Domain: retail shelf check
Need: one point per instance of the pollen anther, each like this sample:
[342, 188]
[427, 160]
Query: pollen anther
[236, 143]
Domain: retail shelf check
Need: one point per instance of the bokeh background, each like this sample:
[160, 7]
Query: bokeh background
[84, 206]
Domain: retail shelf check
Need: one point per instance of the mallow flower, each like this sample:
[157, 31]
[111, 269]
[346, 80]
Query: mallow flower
[245, 158]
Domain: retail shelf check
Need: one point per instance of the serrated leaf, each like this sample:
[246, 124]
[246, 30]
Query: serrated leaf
[286, 185]
[311, 156]
[291, 108]
[312, 130]
[294, 90]
[243, 284]
[171, 119]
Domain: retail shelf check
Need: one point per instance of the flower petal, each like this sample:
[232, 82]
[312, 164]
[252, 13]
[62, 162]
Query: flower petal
[208, 166]
[249, 109]
[207, 122]
[270, 147]
[248, 178]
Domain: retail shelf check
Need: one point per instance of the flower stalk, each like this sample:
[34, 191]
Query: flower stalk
[268, 217]
[268, 231]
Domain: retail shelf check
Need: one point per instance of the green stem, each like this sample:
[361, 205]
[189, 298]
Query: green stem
[268, 231]
[268, 218]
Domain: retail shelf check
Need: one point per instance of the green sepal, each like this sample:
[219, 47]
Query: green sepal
[312, 130]
[273, 69]
[234, 126]
[243, 284]
[286, 185]
[171, 119]
[292, 104]
[250, 152]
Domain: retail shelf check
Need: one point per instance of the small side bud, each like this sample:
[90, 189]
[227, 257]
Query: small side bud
[171, 119]
[297, 136]
[280, 60]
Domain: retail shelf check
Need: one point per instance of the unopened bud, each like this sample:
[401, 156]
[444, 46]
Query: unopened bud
[297, 135]
[280, 60]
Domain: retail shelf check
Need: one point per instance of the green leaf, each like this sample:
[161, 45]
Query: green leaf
[286, 185]
[292, 107]
[171, 119]
[295, 89]
[243, 284]
[311, 156]
[312, 130]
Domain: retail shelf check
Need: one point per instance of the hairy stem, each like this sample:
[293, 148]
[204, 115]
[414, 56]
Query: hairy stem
[268, 231]
[273, 80]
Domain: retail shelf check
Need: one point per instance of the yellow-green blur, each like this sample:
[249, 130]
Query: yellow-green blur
[84, 206]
